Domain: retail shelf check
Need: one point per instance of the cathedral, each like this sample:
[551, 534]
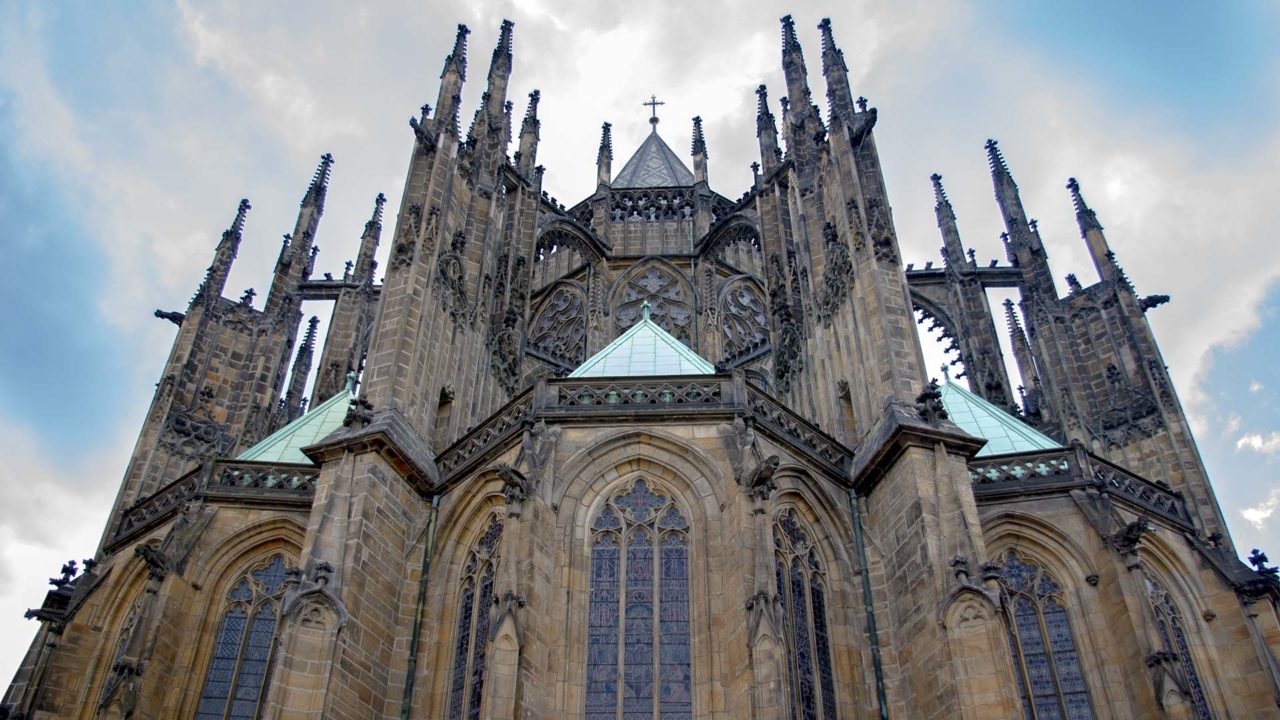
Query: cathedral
[664, 453]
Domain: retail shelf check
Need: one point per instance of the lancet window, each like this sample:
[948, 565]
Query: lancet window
[744, 320]
[638, 657]
[802, 587]
[472, 637]
[560, 329]
[235, 683]
[1173, 633]
[1045, 658]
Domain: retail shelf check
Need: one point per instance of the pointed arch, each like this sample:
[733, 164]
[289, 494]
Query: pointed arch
[801, 584]
[471, 629]
[666, 288]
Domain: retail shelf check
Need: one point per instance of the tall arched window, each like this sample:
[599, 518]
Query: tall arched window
[802, 588]
[473, 624]
[639, 574]
[1044, 651]
[242, 654]
[1173, 633]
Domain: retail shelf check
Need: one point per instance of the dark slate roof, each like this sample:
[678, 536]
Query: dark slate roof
[653, 165]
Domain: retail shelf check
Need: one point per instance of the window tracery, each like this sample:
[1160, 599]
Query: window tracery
[472, 636]
[1173, 633]
[801, 586]
[669, 304]
[1046, 662]
[744, 320]
[560, 329]
[638, 653]
[242, 654]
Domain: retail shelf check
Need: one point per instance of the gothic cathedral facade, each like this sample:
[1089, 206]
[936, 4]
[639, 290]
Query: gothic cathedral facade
[660, 454]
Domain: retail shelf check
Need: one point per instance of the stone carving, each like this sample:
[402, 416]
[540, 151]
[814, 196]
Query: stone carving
[929, 405]
[836, 276]
[669, 305]
[538, 449]
[504, 350]
[359, 413]
[403, 250]
[560, 328]
[744, 321]
[190, 432]
[1129, 413]
[882, 243]
[738, 233]
[751, 469]
[1126, 539]
[515, 488]
[451, 281]
[651, 205]
[787, 357]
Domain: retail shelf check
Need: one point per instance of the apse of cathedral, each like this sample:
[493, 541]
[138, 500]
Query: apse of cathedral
[663, 453]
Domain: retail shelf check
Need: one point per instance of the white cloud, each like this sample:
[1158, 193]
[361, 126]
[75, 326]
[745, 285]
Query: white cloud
[1259, 514]
[1268, 444]
[1255, 387]
[1231, 426]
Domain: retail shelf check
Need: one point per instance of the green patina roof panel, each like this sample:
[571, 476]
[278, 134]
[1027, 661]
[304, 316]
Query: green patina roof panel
[285, 445]
[1003, 432]
[644, 350]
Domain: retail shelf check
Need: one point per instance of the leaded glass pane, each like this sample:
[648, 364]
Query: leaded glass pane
[602, 630]
[1050, 680]
[639, 595]
[472, 636]
[1173, 634]
[822, 645]
[461, 648]
[798, 578]
[676, 693]
[242, 652]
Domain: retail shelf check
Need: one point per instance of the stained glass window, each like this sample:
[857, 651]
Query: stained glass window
[472, 639]
[1050, 681]
[638, 659]
[801, 585]
[242, 653]
[1173, 633]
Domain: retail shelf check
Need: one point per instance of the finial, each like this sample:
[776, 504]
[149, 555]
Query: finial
[755, 168]
[237, 225]
[996, 159]
[1086, 218]
[319, 183]
[532, 112]
[644, 310]
[939, 194]
[699, 142]
[789, 39]
[946, 373]
[762, 101]
[458, 57]
[503, 49]
[606, 142]
[309, 340]
[653, 104]
[374, 225]
[862, 104]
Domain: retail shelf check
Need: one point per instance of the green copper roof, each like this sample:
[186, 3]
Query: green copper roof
[653, 165]
[644, 350]
[285, 445]
[1004, 433]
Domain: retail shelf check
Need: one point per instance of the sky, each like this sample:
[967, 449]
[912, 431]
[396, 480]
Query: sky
[129, 132]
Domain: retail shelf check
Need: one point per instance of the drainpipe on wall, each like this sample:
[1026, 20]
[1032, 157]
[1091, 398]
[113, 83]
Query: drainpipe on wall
[868, 604]
[427, 549]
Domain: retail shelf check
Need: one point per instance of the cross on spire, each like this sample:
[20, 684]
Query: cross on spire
[653, 104]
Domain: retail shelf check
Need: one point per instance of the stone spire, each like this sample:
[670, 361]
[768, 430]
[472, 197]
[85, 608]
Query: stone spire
[451, 80]
[699, 152]
[295, 401]
[529, 134]
[365, 264]
[766, 132]
[1022, 240]
[1091, 230]
[952, 248]
[297, 255]
[804, 124]
[839, 97]
[604, 156]
[215, 279]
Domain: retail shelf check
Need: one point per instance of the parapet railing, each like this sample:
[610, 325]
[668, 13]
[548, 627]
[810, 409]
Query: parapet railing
[1044, 471]
[239, 481]
[639, 399]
